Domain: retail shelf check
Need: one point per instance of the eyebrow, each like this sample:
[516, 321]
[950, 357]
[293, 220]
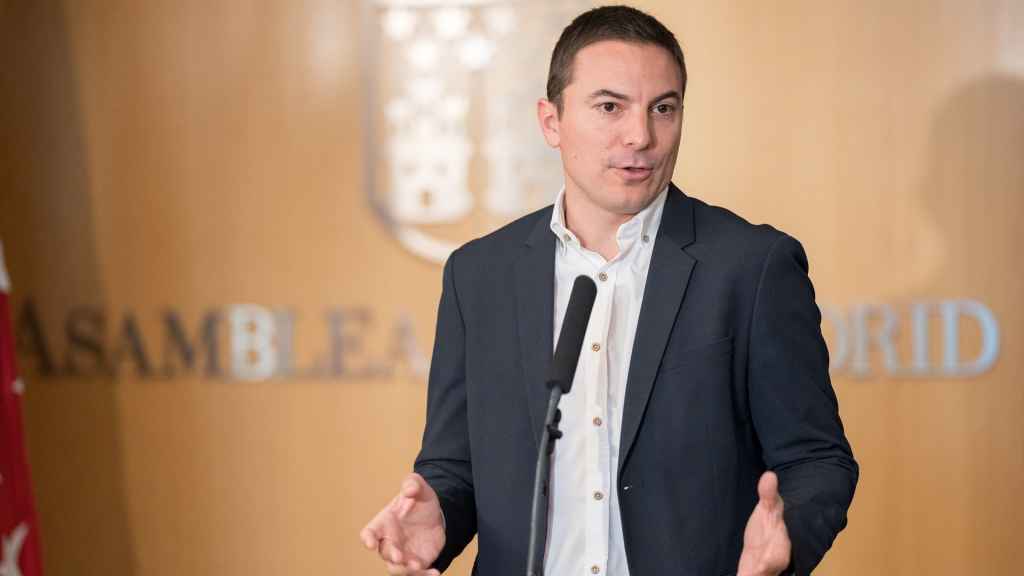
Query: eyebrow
[604, 92]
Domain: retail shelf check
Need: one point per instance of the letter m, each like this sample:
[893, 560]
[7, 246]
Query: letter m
[181, 353]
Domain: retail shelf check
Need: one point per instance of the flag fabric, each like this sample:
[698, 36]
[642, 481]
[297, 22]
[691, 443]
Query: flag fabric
[19, 553]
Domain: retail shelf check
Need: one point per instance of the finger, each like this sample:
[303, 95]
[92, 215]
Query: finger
[414, 490]
[369, 538]
[390, 552]
[396, 569]
[382, 526]
[408, 560]
[409, 493]
[386, 525]
[396, 503]
[399, 570]
[403, 507]
[412, 486]
[768, 489]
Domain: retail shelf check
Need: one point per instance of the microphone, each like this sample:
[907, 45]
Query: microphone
[559, 381]
[570, 339]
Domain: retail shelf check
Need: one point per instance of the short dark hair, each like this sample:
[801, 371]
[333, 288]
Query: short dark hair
[623, 23]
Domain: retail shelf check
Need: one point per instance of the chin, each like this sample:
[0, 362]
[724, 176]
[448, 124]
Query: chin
[633, 199]
[630, 205]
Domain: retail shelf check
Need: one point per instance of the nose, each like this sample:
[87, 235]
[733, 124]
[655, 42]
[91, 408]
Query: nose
[638, 134]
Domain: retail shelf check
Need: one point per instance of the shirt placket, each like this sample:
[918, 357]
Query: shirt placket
[597, 440]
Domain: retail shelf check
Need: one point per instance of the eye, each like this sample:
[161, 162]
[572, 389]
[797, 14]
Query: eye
[664, 109]
[608, 107]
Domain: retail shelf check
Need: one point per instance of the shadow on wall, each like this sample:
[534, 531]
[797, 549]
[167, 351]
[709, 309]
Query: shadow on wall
[72, 427]
[974, 193]
[951, 460]
[974, 188]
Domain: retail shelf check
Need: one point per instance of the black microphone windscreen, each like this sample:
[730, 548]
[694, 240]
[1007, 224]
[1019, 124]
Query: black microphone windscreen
[570, 338]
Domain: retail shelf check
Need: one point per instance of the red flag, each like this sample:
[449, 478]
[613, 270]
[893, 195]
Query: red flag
[19, 529]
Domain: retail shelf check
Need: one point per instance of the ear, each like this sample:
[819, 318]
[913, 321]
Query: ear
[547, 117]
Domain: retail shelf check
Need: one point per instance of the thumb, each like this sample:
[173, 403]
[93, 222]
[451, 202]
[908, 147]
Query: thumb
[416, 488]
[768, 489]
[414, 492]
[411, 486]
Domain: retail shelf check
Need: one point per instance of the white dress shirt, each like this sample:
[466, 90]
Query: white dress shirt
[585, 526]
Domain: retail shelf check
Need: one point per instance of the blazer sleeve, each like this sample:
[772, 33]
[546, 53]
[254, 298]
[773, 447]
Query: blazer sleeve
[444, 458]
[794, 408]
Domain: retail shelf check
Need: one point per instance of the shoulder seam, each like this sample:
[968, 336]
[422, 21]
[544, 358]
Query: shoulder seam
[760, 284]
[450, 265]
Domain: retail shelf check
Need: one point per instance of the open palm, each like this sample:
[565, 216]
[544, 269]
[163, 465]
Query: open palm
[409, 532]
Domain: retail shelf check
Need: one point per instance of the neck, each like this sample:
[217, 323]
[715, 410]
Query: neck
[596, 228]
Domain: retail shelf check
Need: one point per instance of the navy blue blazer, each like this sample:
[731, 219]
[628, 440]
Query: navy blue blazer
[728, 378]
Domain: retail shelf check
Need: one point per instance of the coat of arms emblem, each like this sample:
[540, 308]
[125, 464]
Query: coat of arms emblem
[453, 144]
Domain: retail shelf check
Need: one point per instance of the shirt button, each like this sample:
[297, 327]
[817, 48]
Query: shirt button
[602, 276]
[597, 421]
[595, 569]
[595, 347]
[646, 238]
[598, 495]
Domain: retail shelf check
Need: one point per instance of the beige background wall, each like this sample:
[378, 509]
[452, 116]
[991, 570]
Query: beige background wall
[164, 162]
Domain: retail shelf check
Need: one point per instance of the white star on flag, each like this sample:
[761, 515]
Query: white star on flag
[12, 551]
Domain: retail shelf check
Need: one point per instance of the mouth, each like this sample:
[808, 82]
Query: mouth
[634, 173]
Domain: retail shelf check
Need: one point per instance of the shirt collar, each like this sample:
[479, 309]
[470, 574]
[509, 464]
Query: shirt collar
[643, 225]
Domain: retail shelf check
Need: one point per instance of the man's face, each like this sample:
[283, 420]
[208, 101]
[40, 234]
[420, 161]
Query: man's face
[620, 125]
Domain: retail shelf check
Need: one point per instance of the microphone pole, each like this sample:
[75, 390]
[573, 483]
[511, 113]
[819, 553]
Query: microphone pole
[559, 381]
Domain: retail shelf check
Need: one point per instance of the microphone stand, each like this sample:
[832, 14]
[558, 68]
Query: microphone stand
[541, 483]
[559, 382]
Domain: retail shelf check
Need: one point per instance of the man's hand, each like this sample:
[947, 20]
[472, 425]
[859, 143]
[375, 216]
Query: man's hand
[409, 532]
[766, 546]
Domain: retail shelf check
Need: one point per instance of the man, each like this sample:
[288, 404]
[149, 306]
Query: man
[702, 434]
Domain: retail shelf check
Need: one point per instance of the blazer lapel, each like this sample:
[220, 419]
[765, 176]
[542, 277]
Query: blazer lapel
[667, 278]
[535, 302]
